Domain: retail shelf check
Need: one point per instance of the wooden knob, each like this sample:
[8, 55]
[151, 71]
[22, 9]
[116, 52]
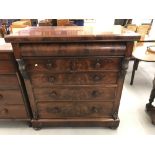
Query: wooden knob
[95, 93]
[56, 110]
[4, 111]
[51, 79]
[49, 64]
[53, 94]
[94, 109]
[96, 78]
[1, 96]
[98, 65]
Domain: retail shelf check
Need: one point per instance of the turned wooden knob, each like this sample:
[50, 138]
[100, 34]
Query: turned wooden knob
[56, 110]
[95, 93]
[53, 94]
[4, 111]
[1, 96]
[96, 78]
[49, 64]
[94, 109]
[98, 65]
[51, 79]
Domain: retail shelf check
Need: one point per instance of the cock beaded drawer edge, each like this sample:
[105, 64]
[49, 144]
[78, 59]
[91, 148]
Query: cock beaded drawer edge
[73, 75]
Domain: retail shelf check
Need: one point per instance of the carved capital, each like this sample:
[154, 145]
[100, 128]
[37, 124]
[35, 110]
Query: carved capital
[124, 67]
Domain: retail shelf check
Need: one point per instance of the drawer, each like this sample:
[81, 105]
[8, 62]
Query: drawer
[10, 97]
[6, 55]
[74, 109]
[73, 49]
[9, 81]
[76, 78]
[73, 64]
[7, 66]
[74, 93]
[12, 112]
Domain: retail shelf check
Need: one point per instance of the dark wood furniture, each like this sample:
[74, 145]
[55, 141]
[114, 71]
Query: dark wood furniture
[73, 75]
[142, 54]
[149, 107]
[13, 102]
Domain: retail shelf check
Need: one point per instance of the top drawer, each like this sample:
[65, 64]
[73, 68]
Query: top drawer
[73, 64]
[73, 49]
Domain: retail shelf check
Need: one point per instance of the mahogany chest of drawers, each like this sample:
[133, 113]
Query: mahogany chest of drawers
[73, 75]
[13, 103]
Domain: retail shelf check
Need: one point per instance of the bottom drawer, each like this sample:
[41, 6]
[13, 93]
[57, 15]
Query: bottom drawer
[74, 109]
[12, 111]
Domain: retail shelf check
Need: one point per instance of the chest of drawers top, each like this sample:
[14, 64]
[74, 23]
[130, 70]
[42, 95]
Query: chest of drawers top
[71, 41]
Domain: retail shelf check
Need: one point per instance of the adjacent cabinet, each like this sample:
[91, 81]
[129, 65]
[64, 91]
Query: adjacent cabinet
[13, 101]
[73, 75]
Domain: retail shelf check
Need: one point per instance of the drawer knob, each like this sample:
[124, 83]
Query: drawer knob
[4, 111]
[54, 110]
[98, 65]
[72, 66]
[51, 79]
[94, 109]
[1, 96]
[49, 64]
[95, 93]
[96, 78]
[53, 94]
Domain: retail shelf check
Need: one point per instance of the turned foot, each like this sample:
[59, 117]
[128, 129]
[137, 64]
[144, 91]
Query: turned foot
[36, 128]
[149, 107]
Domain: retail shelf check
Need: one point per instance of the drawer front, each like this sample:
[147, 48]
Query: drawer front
[73, 64]
[73, 49]
[7, 67]
[74, 109]
[6, 56]
[10, 97]
[91, 78]
[12, 112]
[74, 93]
[9, 82]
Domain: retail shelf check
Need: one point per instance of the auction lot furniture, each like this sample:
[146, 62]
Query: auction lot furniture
[73, 75]
[13, 103]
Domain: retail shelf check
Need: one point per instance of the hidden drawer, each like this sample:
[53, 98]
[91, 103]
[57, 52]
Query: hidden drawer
[74, 109]
[74, 93]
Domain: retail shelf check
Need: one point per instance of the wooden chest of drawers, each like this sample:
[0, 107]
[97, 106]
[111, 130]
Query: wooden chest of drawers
[73, 76]
[13, 103]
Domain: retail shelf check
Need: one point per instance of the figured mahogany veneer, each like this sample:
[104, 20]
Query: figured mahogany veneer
[73, 75]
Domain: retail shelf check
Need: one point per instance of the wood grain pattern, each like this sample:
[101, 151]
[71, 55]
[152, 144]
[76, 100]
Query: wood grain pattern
[8, 81]
[88, 93]
[13, 112]
[74, 109]
[73, 75]
[73, 64]
[71, 33]
[87, 78]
